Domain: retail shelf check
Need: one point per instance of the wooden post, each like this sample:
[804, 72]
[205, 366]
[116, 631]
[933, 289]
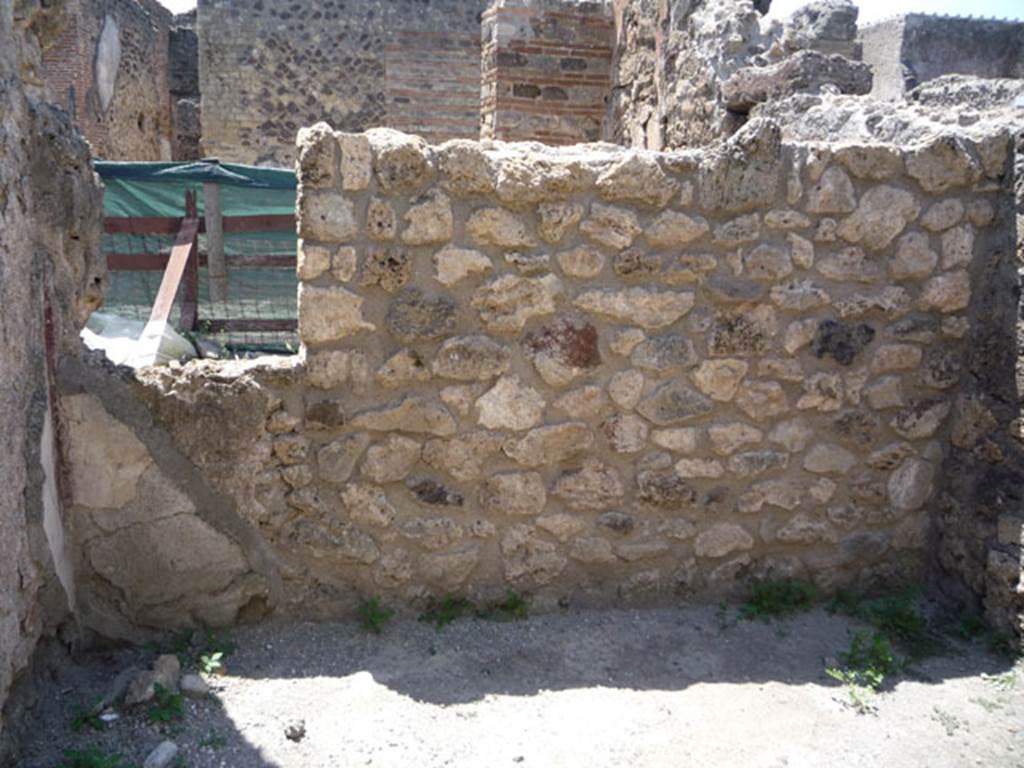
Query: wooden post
[216, 267]
[190, 303]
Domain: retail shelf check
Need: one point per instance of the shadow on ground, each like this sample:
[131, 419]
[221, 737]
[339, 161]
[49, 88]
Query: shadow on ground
[282, 673]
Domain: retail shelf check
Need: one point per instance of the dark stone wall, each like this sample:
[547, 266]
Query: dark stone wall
[269, 68]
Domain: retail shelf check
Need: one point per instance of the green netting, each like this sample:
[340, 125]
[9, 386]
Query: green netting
[158, 189]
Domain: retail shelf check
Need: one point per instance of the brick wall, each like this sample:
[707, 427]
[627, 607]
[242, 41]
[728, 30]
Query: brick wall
[137, 122]
[546, 71]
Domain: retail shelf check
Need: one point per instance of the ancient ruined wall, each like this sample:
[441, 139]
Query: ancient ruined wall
[672, 59]
[634, 117]
[266, 69]
[183, 82]
[50, 279]
[979, 521]
[109, 70]
[908, 50]
[587, 374]
[546, 70]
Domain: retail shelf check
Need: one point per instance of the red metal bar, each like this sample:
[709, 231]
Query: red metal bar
[157, 262]
[168, 225]
[268, 223]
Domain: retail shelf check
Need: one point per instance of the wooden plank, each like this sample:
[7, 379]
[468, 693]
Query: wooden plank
[217, 270]
[184, 245]
[190, 302]
[267, 325]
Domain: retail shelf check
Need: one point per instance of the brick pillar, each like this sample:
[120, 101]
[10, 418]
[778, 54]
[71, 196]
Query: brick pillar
[546, 72]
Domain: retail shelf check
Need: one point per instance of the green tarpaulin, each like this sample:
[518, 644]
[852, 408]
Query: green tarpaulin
[158, 189]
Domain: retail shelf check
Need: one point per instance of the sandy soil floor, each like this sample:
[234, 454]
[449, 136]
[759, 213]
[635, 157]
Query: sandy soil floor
[685, 687]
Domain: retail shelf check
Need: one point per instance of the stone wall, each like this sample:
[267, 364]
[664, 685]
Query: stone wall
[587, 374]
[267, 69]
[914, 48]
[109, 70]
[546, 69]
[51, 280]
[183, 81]
[980, 518]
[672, 60]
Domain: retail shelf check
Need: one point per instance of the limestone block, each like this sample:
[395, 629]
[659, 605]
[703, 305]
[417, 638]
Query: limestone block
[910, 484]
[673, 229]
[944, 163]
[463, 456]
[948, 292]
[942, 215]
[471, 358]
[517, 494]
[464, 167]
[510, 404]
[318, 156]
[356, 163]
[411, 414]
[678, 439]
[584, 261]
[673, 402]
[455, 264]
[882, 214]
[500, 228]
[828, 458]
[625, 432]
[429, 220]
[391, 460]
[637, 178]
[730, 437]
[329, 314]
[557, 220]
[721, 540]
[507, 303]
[401, 162]
[381, 220]
[549, 445]
[645, 307]
[593, 486]
[367, 505]
[615, 228]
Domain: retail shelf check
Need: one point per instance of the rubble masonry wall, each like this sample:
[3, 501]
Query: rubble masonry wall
[587, 374]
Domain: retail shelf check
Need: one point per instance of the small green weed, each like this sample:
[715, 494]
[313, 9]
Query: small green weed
[92, 757]
[513, 608]
[210, 663]
[446, 611]
[373, 616]
[166, 707]
[869, 660]
[85, 718]
[896, 616]
[775, 599]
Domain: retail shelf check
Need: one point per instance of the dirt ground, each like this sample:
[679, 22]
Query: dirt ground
[675, 687]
